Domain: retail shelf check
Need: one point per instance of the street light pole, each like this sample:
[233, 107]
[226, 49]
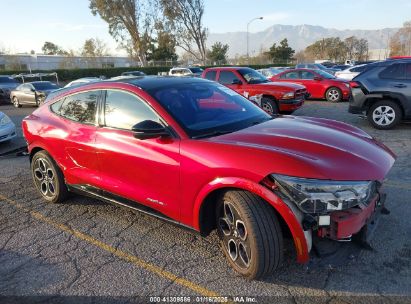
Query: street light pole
[248, 24]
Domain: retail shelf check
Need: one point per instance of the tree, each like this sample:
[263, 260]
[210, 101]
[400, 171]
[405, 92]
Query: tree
[282, 52]
[185, 19]
[131, 22]
[218, 53]
[335, 49]
[400, 43]
[163, 47]
[49, 48]
[94, 47]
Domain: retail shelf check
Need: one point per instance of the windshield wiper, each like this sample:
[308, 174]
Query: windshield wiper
[211, 134]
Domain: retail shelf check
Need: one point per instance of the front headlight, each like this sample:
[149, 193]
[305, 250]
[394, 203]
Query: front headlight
[288, 95]
[323, 196]
[5, 120]
[347, 85]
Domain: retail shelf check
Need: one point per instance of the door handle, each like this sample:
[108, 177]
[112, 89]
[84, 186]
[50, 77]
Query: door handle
[400, 85]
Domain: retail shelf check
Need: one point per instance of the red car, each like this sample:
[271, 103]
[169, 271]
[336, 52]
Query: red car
[195, 153]
[271, 97]
[319, 84]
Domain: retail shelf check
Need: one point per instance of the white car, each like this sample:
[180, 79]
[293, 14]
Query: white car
[189, 71]
[81, 81]
[7, 128]
[351, 72]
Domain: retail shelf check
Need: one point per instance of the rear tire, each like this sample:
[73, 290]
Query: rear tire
[16, 102]
[48, 178]
[333, 94]
[384, 114]
[269, 105]
[250, 234]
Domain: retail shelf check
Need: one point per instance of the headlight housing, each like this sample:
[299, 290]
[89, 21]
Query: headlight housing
[323, 196]
[288, 95]
[5, 120]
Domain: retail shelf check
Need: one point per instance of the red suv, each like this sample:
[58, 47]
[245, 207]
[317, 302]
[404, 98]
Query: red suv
[320, 84]
[271, 97]
[193, 152]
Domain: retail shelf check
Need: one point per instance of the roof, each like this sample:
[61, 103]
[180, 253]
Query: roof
[229, 68]
[151, 82]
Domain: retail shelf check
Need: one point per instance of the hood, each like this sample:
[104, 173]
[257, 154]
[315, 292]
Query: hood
[281, 85]
[313, 148]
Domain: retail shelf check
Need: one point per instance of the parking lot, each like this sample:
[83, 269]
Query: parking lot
[89, 251]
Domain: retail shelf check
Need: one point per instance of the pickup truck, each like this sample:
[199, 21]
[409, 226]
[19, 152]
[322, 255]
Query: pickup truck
[272, 97]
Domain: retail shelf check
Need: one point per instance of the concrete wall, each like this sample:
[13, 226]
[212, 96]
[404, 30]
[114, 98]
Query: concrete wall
[53, 62]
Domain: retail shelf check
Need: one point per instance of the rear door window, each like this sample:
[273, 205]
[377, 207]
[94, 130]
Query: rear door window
[80, 107]
[394, 71]
[290, 75]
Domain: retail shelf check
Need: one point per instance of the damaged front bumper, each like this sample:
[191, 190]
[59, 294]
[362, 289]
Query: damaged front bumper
[354, 223]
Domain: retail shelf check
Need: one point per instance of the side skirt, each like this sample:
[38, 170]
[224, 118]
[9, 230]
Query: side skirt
[109, 197]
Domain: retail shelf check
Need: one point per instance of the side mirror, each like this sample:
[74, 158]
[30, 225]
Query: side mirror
[236, 81]
[317, 78]
[149, 129]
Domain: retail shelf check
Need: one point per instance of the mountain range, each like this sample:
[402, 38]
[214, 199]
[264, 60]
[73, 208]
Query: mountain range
[299, 37]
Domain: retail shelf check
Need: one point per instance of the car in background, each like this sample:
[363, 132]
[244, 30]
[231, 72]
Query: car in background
[186, 71]
[340, 67]
[81, 81]
[7, 128]
[133, 73]
[272, 97]
[316, 66]
[383, 93]
[351, 72]
[32, 93]
[319, 84]
[7, 84]
[269, 72]
[197, 154]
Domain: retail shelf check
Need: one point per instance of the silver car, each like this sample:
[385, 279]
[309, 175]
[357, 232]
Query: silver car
[7, 128]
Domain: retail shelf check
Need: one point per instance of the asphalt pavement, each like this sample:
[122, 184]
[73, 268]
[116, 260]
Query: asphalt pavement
[87, 251]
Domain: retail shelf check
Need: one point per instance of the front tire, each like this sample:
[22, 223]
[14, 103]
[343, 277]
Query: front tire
[269, 105]
[48, 178]
[384, 114]
[333, 94]
[250, 234]
[16, 102]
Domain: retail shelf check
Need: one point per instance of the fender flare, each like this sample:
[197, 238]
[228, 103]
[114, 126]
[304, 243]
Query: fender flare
[283, 210]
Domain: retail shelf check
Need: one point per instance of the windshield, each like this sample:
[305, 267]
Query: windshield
[208, 109]
[8, 80]
[325, 74]
[252, 76]
[196, 70]
[45, 86]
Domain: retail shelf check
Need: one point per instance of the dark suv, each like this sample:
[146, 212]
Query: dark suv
[383, 93]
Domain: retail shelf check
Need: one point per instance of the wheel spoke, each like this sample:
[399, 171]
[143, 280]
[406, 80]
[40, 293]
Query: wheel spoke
[224, 226]
[38, 174]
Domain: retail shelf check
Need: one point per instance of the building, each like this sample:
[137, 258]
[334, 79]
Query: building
[27, 62]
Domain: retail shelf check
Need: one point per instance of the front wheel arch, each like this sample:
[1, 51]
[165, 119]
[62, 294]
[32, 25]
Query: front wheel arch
[206, 205]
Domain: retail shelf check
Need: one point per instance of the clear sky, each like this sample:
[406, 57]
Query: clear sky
[25, 25]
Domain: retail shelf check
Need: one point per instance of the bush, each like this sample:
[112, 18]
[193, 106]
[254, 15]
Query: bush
[72, 74]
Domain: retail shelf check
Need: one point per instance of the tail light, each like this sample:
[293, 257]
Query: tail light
[354, 84]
